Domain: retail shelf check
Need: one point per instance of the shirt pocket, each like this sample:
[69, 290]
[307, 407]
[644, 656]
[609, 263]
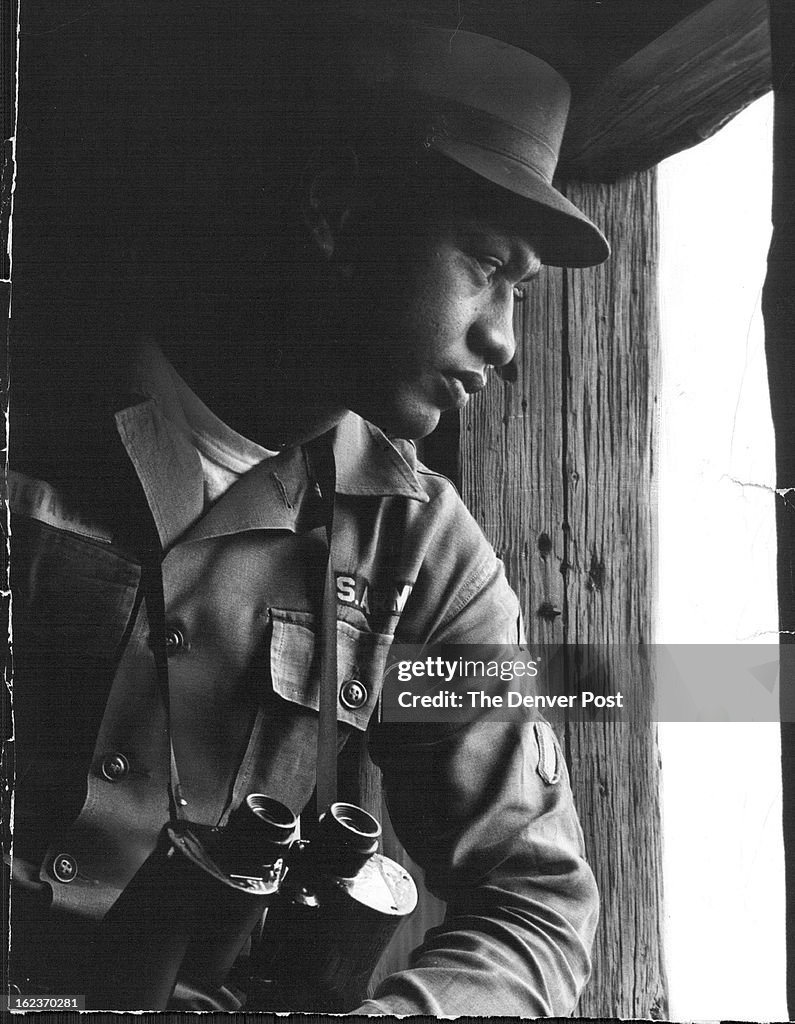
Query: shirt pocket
[74, 599]
[295, 665]
[72, 595]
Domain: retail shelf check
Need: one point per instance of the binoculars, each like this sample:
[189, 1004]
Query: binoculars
[314, 917]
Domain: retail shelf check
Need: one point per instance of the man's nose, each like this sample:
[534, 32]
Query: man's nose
[492, 335]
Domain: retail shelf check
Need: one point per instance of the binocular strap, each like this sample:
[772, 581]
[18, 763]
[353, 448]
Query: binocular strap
[321, 458]
[152, 580]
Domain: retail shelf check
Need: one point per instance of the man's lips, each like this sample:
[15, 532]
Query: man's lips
[472, 380]
[460, 385]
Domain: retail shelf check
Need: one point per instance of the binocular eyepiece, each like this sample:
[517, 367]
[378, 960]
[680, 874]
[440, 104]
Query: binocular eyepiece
[318, 914]
[259, 833]
[347, 837]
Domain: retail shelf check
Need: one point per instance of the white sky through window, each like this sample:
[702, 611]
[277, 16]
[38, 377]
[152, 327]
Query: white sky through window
[723, 856]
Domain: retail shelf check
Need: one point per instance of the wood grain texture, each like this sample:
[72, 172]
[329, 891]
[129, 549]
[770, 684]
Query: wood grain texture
[671, 94]
[511, 452]
[612, 376]
[567, 450]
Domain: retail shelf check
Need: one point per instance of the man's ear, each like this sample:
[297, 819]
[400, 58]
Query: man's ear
[328, 190]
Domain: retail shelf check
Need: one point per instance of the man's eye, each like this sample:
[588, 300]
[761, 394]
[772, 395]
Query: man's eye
[489, 265]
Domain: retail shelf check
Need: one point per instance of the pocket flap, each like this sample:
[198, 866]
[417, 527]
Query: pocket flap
[295, 665]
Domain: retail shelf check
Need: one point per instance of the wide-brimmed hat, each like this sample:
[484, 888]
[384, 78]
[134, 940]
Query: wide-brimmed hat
[491, 107]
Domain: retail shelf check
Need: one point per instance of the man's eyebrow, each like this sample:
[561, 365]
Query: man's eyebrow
[524, 258]
[527, 263]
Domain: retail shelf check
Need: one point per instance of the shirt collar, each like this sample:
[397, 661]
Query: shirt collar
[369, 464]
[273, 495]
[167, 465]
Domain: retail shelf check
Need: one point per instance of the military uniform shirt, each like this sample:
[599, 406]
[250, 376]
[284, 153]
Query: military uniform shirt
[243, 572]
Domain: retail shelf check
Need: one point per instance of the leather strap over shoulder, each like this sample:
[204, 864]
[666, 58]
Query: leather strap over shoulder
[321, 457]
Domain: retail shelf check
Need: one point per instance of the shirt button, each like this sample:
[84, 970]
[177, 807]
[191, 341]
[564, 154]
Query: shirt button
[175, 640]
[114, 767]
[64, 867]
[353, 694]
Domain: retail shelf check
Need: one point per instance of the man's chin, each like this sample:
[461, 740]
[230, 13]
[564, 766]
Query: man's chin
[411, 421]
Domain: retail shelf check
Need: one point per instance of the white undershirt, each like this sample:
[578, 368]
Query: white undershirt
[225, 455]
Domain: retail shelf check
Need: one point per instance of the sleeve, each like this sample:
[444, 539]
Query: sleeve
[486, 810]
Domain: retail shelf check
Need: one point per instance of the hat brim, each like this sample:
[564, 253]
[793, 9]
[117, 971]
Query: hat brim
[567, 238]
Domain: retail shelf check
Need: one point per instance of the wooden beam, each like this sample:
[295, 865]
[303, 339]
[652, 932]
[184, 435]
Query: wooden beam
[557, 465]
[583, 39]
[672, 94]
[511, 446]
[611, 379]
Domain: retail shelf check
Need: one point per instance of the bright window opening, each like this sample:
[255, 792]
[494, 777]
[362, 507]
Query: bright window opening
[723, 848]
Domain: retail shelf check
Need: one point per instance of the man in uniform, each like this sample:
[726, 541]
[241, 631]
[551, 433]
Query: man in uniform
[411, 231]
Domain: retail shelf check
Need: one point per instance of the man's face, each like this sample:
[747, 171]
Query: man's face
[430, 311]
